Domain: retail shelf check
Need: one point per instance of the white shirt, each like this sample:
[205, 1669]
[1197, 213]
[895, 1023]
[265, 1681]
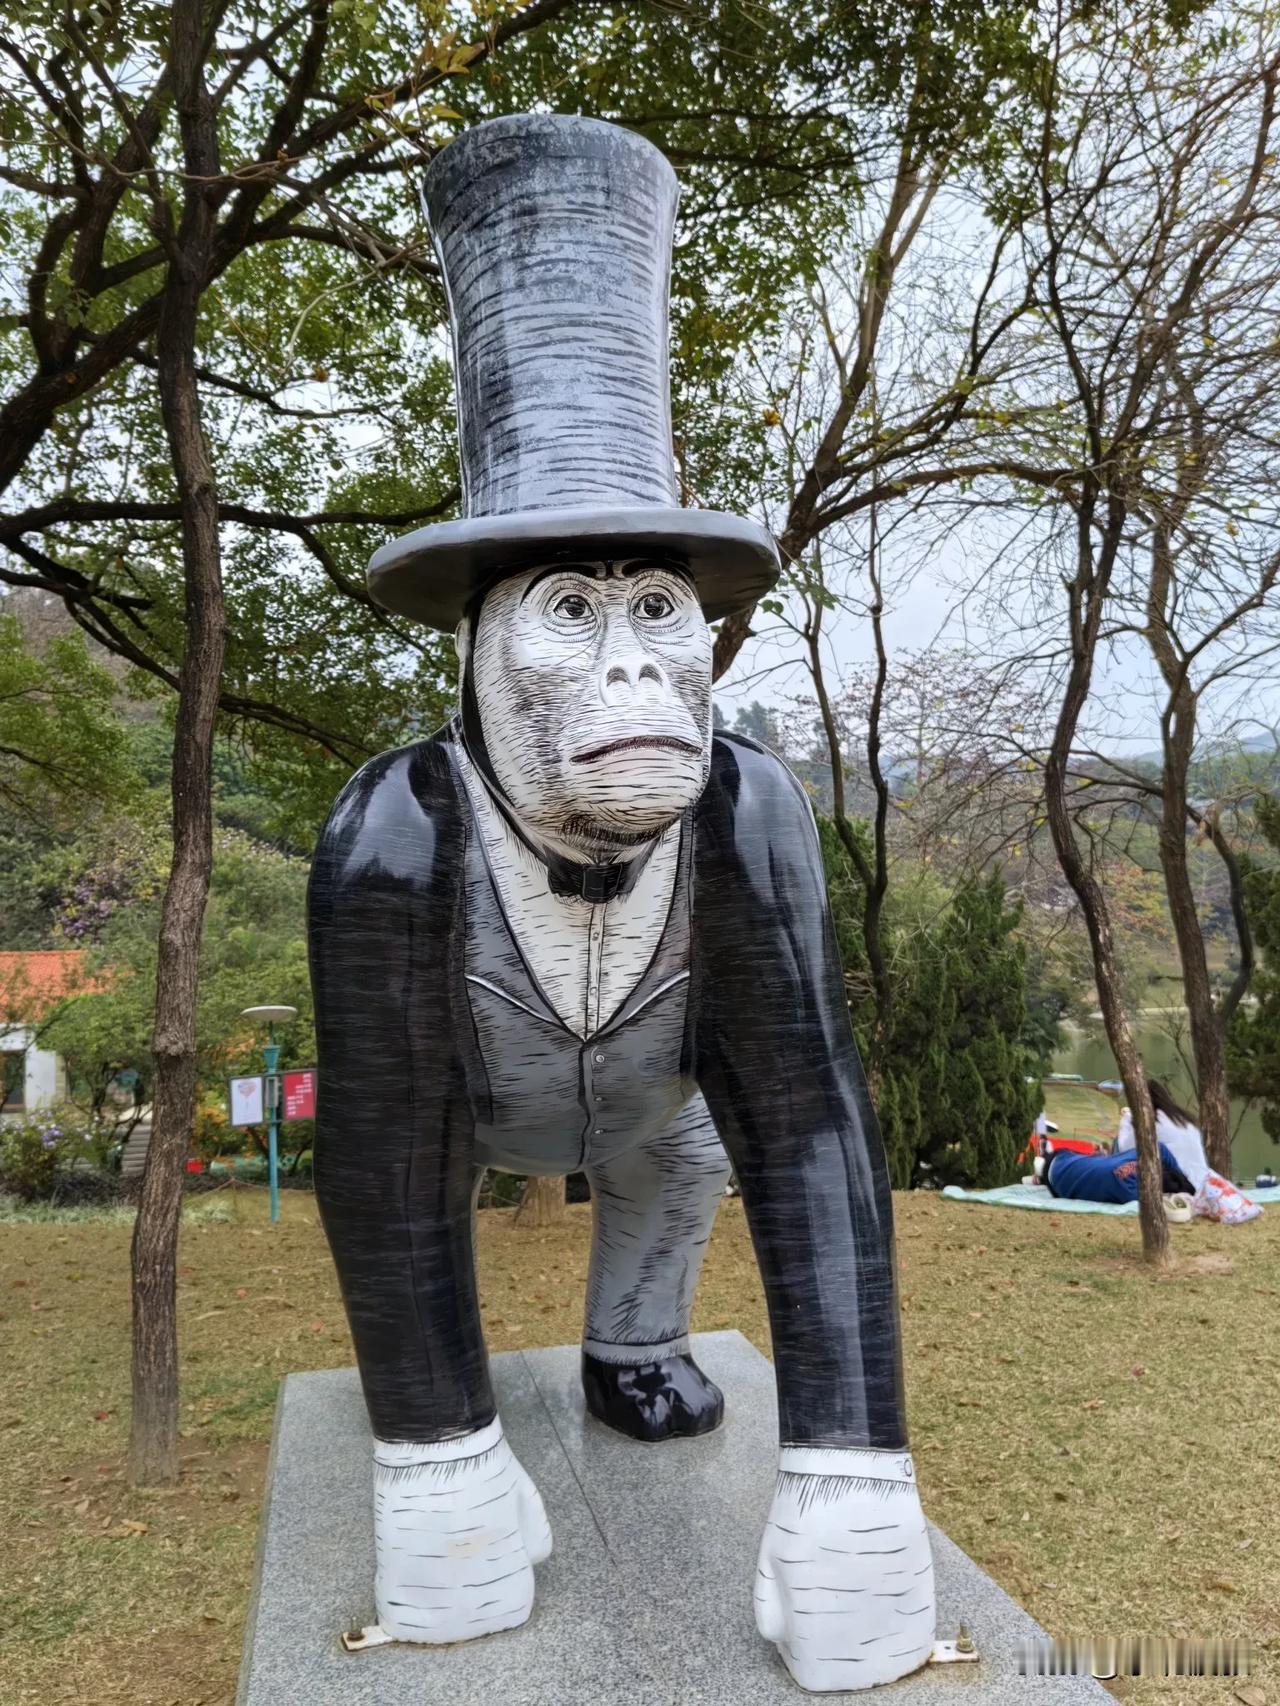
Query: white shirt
[586, 956]
[1183, 1142]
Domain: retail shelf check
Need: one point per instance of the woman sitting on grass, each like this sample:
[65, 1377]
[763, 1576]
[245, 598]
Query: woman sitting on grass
[1176, 1131]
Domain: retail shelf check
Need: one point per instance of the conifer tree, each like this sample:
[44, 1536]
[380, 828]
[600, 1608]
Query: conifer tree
[949, 1076]
[1253, 1042]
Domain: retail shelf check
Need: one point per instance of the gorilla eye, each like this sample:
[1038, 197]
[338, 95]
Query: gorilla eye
[655, 605]
[573, 607]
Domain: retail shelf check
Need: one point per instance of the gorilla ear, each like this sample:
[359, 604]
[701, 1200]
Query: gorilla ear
[462, 641]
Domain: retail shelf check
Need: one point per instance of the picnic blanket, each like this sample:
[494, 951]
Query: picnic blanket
[1035, 1196]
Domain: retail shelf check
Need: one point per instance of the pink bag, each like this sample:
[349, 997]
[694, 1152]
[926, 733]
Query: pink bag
[1218, 1199]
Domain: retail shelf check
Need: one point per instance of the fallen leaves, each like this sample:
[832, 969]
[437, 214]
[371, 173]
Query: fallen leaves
[128, 1530]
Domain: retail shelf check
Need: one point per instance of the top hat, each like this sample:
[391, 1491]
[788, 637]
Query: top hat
[554, 240]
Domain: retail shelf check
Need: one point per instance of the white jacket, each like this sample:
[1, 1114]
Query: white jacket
[1183, 1142]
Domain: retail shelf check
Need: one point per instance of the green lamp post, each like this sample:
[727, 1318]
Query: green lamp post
[271, 1017]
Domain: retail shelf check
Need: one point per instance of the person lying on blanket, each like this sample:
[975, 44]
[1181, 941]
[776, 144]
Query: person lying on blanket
[1106, 1178]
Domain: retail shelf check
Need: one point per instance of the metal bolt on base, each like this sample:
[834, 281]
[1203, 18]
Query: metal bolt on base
[959, 1651]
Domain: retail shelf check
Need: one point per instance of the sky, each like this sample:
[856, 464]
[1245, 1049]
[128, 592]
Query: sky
[940, 597]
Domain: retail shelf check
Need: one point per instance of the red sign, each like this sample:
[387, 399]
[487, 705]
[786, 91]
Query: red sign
[300, 1095]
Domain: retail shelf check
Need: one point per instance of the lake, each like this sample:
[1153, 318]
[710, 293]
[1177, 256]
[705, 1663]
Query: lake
[1087, 1053]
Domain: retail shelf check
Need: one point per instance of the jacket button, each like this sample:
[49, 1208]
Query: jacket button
[598, 1059]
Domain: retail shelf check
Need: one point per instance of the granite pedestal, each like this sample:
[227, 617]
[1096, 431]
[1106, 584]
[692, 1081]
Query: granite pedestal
[646, 1600]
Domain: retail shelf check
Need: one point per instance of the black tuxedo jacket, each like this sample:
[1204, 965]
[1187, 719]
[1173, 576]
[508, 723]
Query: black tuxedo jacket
[767, 1040]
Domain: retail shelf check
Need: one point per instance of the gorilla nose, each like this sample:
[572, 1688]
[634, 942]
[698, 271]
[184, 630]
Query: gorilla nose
[631, 677]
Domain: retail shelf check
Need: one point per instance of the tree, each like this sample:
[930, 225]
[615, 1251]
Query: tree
[542, 1202]
[995, 1109]
[863, 412]
[1253, 1042]
[1059, 390]
[869, 413]
[760, 722]
[254, 944]
[319, 289]
[61, 746]
[1135, 284]
[1121, 282]
[953, 1063]
[1104, 783]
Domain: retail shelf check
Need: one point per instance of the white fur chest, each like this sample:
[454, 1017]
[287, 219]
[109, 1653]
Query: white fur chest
[587, 958]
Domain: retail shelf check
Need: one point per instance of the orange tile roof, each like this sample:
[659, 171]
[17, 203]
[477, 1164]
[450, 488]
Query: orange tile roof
[34, 981]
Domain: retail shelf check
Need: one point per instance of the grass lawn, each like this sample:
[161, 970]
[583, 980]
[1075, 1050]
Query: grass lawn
[1079, 1111]
[1102, 1441]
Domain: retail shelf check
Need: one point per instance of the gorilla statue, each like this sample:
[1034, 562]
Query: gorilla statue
[576, 929]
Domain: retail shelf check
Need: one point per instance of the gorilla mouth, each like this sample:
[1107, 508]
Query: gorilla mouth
[637, 743]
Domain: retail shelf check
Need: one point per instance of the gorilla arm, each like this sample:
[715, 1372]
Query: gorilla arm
[393, 1175]
[845, 1582]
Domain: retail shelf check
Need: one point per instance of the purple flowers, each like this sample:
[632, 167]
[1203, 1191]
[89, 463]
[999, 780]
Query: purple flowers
[96, 895]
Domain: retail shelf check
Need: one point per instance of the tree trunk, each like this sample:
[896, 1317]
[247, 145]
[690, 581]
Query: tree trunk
[873, 874]
[1206, 1034]
[541, 1202]
[153, 1440]
[1093, 904]
[1087, 595]
[1209, 825]
[1177, 739]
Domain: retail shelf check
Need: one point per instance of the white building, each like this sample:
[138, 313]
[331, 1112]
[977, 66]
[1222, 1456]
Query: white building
[31, 984]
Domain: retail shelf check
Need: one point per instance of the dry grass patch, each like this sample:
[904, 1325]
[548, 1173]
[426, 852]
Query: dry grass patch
[1098, 1440]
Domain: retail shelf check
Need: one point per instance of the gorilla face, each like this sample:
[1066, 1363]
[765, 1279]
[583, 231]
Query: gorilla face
[593, 682]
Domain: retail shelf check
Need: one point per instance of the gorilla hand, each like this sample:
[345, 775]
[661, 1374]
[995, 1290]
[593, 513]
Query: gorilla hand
[458, 1527]
[844, 1583]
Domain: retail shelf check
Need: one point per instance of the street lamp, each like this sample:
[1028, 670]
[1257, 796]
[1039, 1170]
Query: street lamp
[271, 1017]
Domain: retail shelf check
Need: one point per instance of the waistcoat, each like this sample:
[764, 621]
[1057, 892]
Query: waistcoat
[549, 1100]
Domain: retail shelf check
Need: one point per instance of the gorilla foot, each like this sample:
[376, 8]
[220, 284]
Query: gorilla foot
[667, 1399]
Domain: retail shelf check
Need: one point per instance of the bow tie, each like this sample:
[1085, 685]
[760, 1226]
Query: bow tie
[594, 883]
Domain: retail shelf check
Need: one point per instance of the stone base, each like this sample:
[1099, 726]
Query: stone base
[646, 1600]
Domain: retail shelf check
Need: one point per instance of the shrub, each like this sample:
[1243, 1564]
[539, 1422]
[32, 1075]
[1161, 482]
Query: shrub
[1253, 1042]
[212, 1134]
[47, 1155]
[950, 1070]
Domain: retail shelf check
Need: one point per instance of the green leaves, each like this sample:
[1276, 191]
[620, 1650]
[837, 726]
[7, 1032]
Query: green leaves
[253, 950]
[1253, 1041]
[325, 385]
[950, 1071]
[60, 740]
